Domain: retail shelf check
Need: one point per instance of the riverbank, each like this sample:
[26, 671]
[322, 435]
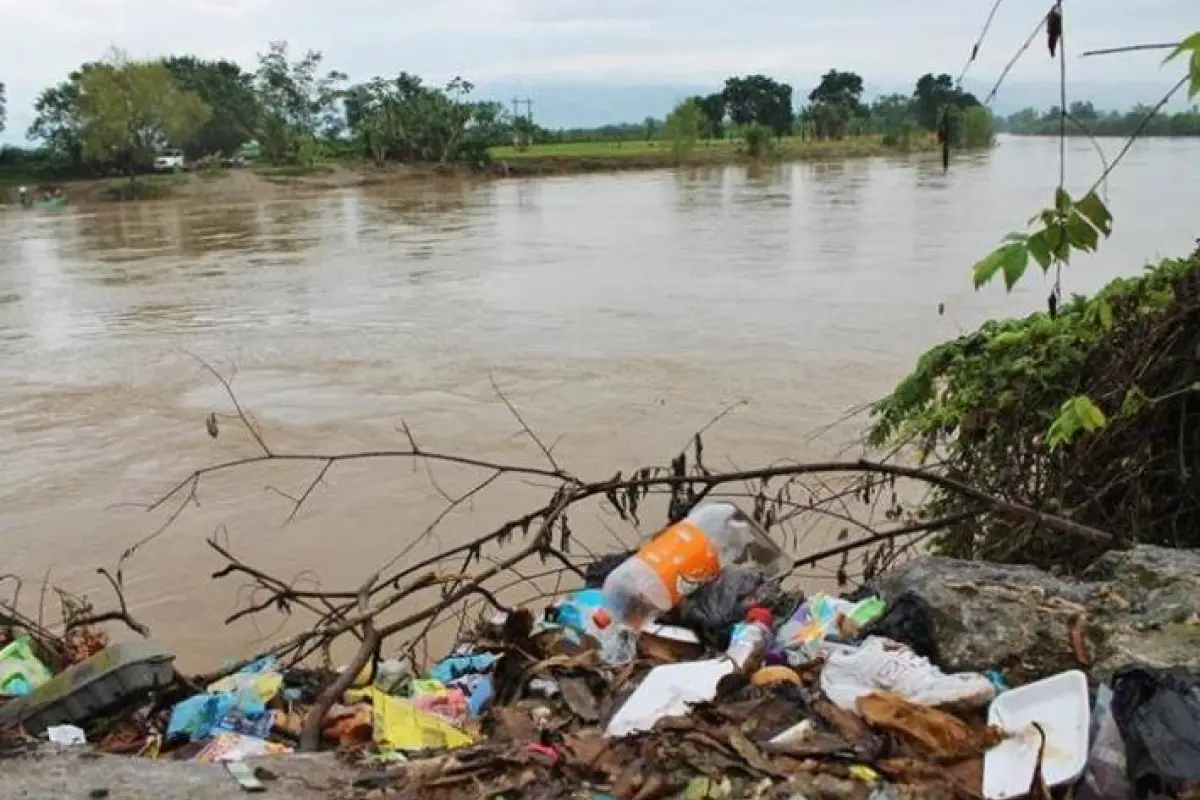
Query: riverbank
[549, 159]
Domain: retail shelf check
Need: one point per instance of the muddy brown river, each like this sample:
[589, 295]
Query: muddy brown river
[619, 313]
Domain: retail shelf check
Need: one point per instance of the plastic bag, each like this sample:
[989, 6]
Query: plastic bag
[1158, 712]
[1104, 778]
[713, 609]
[400, 725]
[20, 670]
[909, 620]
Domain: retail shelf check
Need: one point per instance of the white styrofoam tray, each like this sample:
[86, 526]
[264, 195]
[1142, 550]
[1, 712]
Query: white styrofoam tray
[1060, 706]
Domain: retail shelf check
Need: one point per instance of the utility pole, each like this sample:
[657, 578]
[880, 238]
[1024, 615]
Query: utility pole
[528, 108]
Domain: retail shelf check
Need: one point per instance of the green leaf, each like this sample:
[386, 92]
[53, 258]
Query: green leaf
[1090, 416]
[1060, 246]
[1077, 414]
[1104, 313]
[1016, 260]
[1038, 245]
[1081, 234]
[1094, 210]
[1011, 258]
[1062, 201]
[1190, 44]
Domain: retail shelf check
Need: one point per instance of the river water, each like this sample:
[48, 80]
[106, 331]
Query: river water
[618, 313]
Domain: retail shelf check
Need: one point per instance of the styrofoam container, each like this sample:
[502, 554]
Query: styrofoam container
[93, 686]
[1060, 706]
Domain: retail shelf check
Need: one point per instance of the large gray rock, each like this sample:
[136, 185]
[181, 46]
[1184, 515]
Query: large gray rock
[1139, 605]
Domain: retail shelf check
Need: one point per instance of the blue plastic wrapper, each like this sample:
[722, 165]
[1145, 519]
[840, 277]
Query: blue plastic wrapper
[453, 668]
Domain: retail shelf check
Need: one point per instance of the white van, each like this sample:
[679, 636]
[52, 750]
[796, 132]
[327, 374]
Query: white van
[170, 161]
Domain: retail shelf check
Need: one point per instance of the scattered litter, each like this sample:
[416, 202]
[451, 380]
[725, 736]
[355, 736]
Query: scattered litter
[66, 735]
[1058, 706]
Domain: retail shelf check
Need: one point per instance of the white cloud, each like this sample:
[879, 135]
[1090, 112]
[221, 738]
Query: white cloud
[594, 41]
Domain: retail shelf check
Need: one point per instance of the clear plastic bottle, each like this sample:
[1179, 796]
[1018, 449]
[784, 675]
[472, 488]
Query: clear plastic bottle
[618, 641]
[683, 558]
[750, 640]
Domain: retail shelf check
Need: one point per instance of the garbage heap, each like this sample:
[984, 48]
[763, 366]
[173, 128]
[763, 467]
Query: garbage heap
[741, 687]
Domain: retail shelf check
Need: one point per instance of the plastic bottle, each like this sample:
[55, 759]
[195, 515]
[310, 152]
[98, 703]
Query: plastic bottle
[749, 640]
[618, 641]
[683, 558]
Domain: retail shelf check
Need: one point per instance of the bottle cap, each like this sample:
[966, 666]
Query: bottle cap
[602, 618]
[760, 615]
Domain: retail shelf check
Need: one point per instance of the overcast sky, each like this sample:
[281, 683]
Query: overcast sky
[539, 43]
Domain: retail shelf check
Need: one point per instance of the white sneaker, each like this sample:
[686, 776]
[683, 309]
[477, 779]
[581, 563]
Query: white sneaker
[881, 664]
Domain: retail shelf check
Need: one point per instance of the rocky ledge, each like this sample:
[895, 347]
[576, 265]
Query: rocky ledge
[1141, 605]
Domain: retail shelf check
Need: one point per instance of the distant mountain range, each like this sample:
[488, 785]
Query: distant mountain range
[575, 105]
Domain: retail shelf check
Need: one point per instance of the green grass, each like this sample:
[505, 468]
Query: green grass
[292, 170]
[713, 150]
[145, 187]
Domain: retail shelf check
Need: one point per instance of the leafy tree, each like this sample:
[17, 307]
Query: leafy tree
[713, 106]
[977, 128]
[127, 110]
[683, 126]
[404, 120]
[933, 94]
[298, 103]
[758, 139]
[229, 92]
[839, 89]
[757, 98]
[828, 120]
[650, 126]
[889, 112]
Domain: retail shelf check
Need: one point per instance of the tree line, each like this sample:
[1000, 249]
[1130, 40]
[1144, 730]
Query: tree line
[116, 114]
[1085, 118]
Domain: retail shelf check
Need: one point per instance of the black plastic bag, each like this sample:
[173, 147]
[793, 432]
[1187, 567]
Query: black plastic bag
[595, 573]
[908, 620]
[1158, 712]
[713, 609]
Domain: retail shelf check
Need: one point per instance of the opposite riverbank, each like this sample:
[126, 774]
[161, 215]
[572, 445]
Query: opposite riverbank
[550, 159]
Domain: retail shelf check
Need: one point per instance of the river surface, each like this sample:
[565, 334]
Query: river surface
[618, 313]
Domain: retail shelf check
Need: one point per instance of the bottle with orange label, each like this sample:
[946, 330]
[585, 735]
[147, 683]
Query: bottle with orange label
[684, 557]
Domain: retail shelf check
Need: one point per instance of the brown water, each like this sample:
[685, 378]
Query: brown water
[619, 313]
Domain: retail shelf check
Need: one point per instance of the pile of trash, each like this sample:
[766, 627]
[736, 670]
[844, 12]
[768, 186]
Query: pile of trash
[687, 669]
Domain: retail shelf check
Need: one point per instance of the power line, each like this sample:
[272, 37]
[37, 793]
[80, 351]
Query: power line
[979, 42]
[1130, 48]
[1012, 62]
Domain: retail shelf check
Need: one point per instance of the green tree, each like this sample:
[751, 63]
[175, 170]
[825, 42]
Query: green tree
[757, 98]
[713, 106]
[889, 112]
[127, 110]
[403, 120]
[977, 128]
[933, 94]
[299, 103]
[828, 120]
[229, 92]
[683, 127]
[839, 89]
[834, 104]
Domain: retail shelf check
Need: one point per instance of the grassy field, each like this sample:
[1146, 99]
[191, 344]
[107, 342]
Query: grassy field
[789, 147]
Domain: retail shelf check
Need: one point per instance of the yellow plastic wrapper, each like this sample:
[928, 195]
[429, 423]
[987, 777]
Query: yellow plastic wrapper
[265, 685]
[400, 725]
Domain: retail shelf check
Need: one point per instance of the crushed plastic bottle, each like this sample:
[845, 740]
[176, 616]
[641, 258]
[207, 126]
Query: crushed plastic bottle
[749, 640]
[618, 641]
[684, 557]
